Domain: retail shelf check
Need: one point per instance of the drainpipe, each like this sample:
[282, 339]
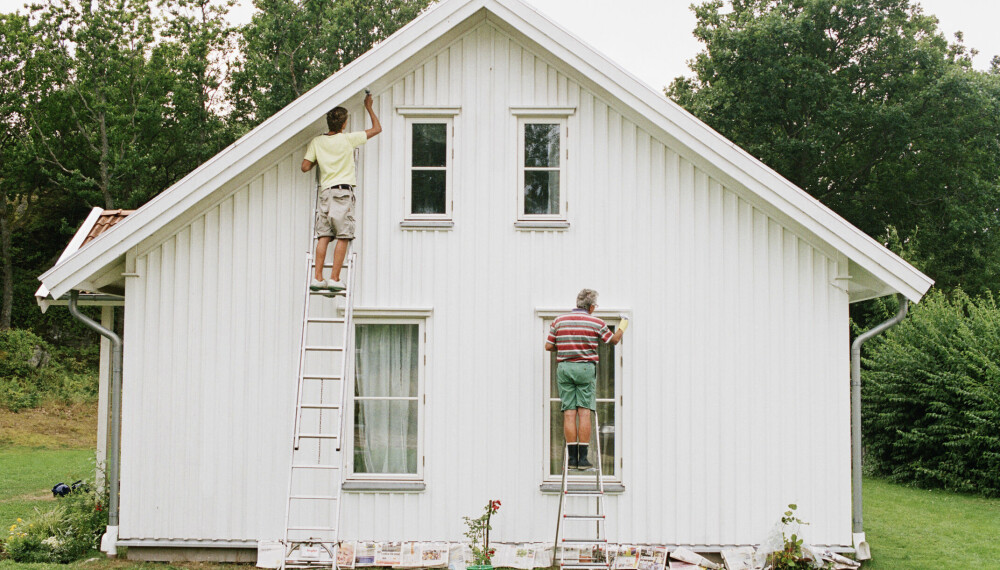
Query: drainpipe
[861, 547]
[109, 542]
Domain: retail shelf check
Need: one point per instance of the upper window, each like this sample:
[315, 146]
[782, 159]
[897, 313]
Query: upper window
[387, 411]
[541, 175]
[608, 412]
[428, 180]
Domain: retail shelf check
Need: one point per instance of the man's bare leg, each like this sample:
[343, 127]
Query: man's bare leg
[321, 244]
[569, 425]
[339, 253]
[584, 432]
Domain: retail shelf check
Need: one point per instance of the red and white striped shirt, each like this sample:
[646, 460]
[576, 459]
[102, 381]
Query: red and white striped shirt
[576, 336]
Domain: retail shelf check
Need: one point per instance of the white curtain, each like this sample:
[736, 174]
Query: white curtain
[385, 392]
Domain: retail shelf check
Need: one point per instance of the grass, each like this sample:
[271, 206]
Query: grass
[915, 529]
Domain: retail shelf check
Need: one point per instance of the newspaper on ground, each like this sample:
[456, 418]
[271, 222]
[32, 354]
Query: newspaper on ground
[270, 553]
[409, 555]
[826, 558]
[345, 554]
[627, 557]
[434, 554]
[738, 558]
[692, 557]
[364, 554]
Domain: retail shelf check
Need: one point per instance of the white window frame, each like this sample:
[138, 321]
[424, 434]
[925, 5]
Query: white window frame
[547, 119]
[409, 215]
[546, 316]
[400, 317]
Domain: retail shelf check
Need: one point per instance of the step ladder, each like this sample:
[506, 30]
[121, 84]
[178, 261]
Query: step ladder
[313, 505]
[597, 543]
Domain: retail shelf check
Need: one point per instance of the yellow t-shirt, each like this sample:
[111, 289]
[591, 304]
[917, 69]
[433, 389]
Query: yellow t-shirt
[335, 156]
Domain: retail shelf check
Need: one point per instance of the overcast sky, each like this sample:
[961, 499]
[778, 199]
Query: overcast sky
[652, 38]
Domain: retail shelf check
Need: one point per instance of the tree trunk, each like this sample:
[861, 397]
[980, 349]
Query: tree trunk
[6, 304]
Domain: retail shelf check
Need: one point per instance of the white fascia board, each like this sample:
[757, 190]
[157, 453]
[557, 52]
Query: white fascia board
[258, 143]
[74, 245]
[701, 139]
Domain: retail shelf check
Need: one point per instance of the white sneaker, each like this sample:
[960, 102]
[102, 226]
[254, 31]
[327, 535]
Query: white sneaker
[334, 285]
[317, 285]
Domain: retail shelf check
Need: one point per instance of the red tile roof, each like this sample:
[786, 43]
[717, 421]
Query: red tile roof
[107, 219]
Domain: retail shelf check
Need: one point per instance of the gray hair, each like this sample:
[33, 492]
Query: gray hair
[586, 298]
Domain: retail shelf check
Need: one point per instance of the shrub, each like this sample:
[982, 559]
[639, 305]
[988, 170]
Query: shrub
[65, 533]
[32, 371]
[931, 396]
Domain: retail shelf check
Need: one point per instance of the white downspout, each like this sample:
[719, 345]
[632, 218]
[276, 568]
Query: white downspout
[862, 550]
[109, 542]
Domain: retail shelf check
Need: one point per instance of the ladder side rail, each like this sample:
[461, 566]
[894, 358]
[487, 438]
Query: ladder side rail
[562, 499]
[347, 359]
[601, 510]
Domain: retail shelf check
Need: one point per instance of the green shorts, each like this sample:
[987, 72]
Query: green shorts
[577, 382]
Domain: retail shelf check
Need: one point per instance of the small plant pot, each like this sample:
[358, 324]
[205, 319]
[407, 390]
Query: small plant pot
[479, 567]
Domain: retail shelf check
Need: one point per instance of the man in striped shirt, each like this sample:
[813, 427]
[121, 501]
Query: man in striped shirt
[574, 337]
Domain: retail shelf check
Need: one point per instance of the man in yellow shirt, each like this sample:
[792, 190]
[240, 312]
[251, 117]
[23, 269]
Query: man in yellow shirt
[334, 152]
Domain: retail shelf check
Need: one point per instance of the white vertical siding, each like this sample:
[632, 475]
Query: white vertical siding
[734, 379]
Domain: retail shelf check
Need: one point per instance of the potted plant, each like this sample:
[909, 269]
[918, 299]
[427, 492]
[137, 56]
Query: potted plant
[478, 534]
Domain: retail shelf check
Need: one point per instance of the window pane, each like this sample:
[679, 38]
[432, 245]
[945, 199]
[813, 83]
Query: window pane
[541, 145]
[428, 191]
[606, 413]
[385, 360]
[430, 144]
[385, 436]
[541, 192]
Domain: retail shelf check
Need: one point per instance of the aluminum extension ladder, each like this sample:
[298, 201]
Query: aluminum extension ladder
[313, 504]
[598, 544]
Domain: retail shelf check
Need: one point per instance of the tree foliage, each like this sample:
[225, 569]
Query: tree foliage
[931, 388]
[290, 46]
[865, 105]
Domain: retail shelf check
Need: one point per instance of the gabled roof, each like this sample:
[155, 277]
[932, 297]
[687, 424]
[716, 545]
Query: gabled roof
[882, 270]
[96, 223]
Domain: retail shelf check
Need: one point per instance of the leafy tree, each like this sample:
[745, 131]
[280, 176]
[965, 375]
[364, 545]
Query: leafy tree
[15, 49]
[290, 46]
[866, 106]
[97, 124]
[197, 47]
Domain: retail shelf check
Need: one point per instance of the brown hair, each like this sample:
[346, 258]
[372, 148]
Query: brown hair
[336, 118]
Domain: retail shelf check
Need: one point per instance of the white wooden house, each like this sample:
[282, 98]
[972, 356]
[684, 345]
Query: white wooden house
[727, 400]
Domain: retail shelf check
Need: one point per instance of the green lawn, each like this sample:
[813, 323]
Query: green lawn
[916, 529]
[30, 473]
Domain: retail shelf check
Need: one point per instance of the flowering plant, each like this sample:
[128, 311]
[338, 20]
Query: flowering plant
[479, 534]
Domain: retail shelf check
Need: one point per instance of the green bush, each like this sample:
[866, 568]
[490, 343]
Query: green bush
[67, 532]
[931, 396]
[32, 371]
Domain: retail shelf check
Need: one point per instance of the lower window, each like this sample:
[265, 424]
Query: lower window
[608, 413]
[387, 388]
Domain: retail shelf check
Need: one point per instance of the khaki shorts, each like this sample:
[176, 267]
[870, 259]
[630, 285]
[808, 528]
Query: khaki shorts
[335, 214]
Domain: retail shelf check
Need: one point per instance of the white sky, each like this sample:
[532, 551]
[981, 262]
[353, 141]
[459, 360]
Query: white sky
[652, 38]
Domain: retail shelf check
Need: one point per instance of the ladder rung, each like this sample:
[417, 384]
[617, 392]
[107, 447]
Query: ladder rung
[584, 540]
[321, 376]
[327, 348]
[583, 493]
[329, 293]
[317, 466]
[314, 497]
[326, 320]
[326, 528]
[318, 436]
[584, 517]
[322, 406]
